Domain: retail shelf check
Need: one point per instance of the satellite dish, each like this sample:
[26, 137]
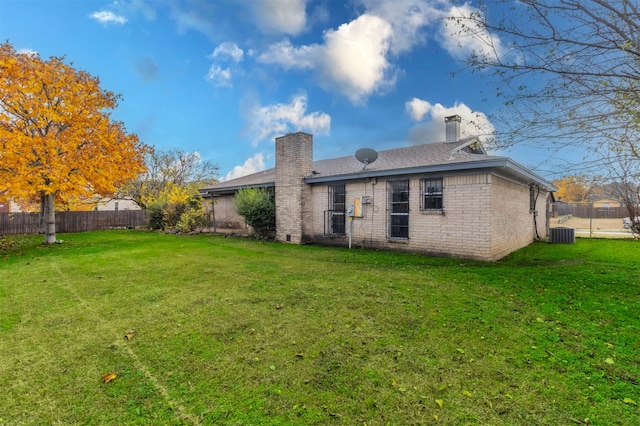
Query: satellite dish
[366, 156]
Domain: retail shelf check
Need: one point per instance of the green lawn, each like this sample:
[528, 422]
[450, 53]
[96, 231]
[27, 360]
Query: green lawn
[232, 331]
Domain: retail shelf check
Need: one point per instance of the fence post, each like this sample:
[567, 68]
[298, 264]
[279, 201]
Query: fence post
[591, 219]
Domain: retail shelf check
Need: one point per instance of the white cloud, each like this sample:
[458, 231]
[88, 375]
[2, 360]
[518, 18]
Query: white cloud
[288, 56]
[194, 15]
[461, 37]
[352, 60]
[457, 34]
[417, 108]
[280, 16]
[222, 76]
[252, 165]
[433, 129]
[228, 49]
[355, 58]
[267, 122]
[219, 76]
[407, 19]
[106, 17]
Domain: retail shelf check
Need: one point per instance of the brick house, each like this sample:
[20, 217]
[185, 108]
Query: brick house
[448, 198]
[607, 203]
[116, 204]
[104, 204]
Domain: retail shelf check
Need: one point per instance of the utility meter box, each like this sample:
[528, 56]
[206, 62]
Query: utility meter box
[357, 207]
[350, 211]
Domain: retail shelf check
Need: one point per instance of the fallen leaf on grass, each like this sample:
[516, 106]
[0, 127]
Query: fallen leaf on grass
[466, 393]
[439, 402]
[460, 350]
[609, 361]
[586, 421]
[130, 334]
[630, 401]
[108, 377]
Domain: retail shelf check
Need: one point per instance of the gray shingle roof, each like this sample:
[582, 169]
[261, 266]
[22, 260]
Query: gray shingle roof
[263, 178]
[403, 158]
[456, 156]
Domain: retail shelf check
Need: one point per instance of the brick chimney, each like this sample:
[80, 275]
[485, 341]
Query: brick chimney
[452, 124]
[294, 159]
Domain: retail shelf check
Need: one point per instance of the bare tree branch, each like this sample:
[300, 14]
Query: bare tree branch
[568, 71]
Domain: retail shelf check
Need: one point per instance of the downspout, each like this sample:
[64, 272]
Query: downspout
[213, 212]
[548, 212]
[536, 188]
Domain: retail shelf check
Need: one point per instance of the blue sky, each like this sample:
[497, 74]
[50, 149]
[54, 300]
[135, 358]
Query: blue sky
[224, 78]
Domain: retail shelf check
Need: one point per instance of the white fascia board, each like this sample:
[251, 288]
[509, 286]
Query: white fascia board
[212, 191]
[501, 163]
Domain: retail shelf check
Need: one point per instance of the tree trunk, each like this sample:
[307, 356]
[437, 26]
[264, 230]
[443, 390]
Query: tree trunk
[49, 218]
[41, 227]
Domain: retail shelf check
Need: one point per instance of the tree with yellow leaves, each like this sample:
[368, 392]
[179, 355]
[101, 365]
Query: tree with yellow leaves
[574, 189]
[176, 207]
[58, 142]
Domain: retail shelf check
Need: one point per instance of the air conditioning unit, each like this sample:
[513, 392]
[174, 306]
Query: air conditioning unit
[562, 235]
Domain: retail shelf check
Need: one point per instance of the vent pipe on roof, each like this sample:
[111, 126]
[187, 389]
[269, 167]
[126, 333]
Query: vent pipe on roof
[452, 124]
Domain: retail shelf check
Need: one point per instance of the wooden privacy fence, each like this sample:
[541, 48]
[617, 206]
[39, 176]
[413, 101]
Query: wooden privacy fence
[586, 210]
[28, 223]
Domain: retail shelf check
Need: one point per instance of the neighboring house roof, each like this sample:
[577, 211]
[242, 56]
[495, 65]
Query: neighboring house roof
[265, 178]
[606, 200]
[442, 157]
